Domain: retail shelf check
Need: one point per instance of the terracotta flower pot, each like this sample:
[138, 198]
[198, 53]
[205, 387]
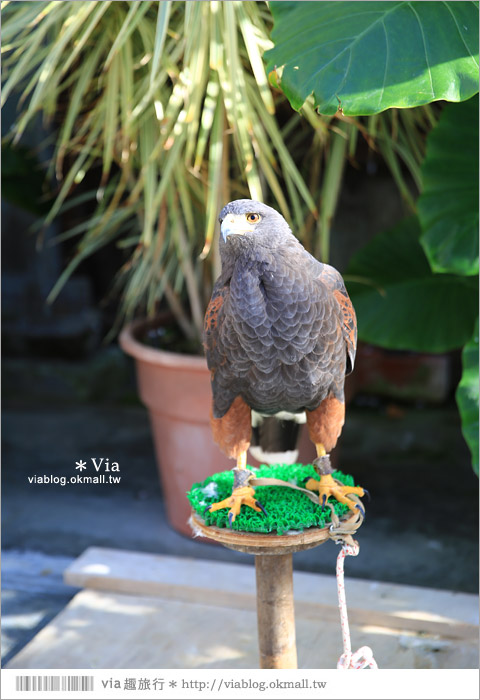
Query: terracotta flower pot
[175, 388]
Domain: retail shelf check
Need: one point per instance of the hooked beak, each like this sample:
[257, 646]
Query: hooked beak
[233, 225]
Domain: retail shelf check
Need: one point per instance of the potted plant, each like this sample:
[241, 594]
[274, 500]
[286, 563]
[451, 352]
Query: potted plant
[180, 122]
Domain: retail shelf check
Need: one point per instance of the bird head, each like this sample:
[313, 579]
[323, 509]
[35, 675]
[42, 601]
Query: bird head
[245, 221]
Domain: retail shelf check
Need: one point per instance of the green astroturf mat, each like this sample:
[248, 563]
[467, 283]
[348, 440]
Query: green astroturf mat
[287, 509]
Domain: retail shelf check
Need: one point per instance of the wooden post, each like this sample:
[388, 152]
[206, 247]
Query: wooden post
[273, 566]
[275, 611]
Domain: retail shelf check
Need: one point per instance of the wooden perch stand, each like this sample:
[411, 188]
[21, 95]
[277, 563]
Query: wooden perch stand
[274, 577]
[275, 611]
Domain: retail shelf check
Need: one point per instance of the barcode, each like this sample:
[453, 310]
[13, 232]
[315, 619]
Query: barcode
[52, 683]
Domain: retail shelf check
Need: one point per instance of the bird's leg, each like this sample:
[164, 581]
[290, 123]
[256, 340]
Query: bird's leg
[242, 460]
[327, 486]
[242, 494]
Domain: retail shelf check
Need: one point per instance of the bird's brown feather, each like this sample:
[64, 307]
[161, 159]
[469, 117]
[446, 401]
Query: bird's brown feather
[325, 422]
[232, 432]
[333, 280]
[213, 310]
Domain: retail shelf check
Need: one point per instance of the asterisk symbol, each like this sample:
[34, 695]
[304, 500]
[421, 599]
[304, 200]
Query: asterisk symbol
[173, 684]
[81, 465]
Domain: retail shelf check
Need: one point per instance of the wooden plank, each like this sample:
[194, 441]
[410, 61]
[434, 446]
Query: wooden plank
[410, 608]
[100, 629]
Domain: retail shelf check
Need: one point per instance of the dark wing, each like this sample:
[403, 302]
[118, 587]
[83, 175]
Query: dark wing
[333, 280]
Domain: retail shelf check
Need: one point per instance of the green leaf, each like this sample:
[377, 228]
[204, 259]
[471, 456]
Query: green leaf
[332, 182]
[214, 175]
[371, 56]
[163, 16]
[467, 396]
[404, 305]
[448, 205]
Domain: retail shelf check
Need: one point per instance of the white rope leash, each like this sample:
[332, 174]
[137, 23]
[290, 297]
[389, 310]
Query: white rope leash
[363, 658]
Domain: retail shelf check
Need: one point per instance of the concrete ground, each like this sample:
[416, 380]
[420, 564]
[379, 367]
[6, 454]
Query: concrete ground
[421, 526]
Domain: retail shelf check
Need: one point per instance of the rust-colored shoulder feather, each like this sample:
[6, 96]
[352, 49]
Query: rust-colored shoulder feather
[332, 279]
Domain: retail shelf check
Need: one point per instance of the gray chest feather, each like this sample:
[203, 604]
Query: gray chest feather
[282, 335]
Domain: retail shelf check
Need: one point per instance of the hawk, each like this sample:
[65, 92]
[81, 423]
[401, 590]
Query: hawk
[280, 336]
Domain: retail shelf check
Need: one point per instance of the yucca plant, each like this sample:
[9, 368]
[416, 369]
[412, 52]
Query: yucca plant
[172, 100]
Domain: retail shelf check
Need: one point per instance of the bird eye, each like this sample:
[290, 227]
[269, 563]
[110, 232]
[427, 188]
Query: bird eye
[253, 218]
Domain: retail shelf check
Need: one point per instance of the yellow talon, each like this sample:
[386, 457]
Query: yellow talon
[327, 486]
[245, 495]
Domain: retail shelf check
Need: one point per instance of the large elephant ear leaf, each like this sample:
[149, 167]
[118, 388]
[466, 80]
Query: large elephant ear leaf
[468, 396]
[400, 303]
[370, 56]
[448, 205]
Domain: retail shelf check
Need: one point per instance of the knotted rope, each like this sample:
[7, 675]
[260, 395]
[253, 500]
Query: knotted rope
[341, 533]
[363, 658]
